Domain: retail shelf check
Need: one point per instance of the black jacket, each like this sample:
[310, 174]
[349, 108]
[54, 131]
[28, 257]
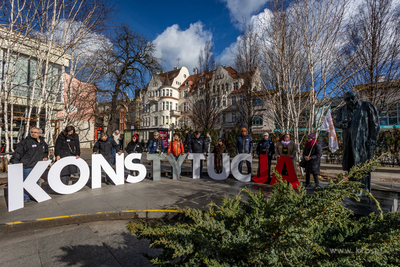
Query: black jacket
[188, 138]
[29, 151]
[105, 147]
[134, 147]
[313, 165]
[266, 147]
[67, 146]
[198, 145]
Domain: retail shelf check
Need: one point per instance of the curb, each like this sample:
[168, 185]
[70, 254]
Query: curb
[41, 223]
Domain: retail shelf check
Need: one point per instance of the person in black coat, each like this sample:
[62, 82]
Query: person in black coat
[67, 144]
[104, 147]
[134, 147]
[266, 147]
[28, 152]
[198, 145]
[312, 153]
[188, 138]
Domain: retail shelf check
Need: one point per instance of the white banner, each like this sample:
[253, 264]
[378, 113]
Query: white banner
[327, 125]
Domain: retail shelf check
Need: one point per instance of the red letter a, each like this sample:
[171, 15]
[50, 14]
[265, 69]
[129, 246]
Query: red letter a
[291, 177]
[263, 170]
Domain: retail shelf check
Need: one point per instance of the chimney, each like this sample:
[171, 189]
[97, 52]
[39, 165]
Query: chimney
[195, 71]
[175, 68]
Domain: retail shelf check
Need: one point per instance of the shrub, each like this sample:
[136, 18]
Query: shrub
[289, 229]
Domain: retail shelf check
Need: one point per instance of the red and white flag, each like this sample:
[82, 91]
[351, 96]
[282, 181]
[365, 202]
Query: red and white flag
[327, 125]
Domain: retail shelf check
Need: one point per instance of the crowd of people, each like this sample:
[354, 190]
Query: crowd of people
[34, 149]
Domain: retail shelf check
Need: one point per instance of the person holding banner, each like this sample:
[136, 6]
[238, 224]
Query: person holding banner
[28, 152]
[67, 144]
[312, 153]
[265, 147]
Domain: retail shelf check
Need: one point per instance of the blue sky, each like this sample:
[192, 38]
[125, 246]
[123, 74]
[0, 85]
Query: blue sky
[180, 29]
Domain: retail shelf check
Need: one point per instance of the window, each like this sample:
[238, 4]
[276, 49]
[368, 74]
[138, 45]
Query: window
[224, 101]
[241, 100]
[170, 92]
[223, 118]
[163, 105]
[218, 89]
[167, 105]
[184, 75]
[185, 94]
[166, 119]
[163, 92]
[235, 86]
[163, 120]
[214, 89]
[227, 87]
[218, 102]
[257, 121]
[155, 107]
[155, 121]
[234, 117]
[170, 105]
[185, 120]
[257, 102]
[185, 107]
[233, 100]
[222, 88]
[176, 106]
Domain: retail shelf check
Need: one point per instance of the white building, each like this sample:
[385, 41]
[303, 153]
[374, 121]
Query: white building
[160, 106]
[168, 96]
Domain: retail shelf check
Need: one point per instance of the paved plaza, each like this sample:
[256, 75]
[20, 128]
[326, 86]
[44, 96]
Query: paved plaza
[87, 228]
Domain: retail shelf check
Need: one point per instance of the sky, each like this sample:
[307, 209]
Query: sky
[180, 29]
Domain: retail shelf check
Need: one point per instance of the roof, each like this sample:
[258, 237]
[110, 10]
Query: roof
[168, 77]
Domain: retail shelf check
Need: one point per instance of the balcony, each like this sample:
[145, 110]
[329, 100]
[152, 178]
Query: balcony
[175, 113]
[153, 99]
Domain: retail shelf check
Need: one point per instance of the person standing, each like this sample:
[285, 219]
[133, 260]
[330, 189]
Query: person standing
[117, 138]
[266, 147]
[198, 145]
[219, 149]
[104, 146]
[30, 151]
[67, 144]
[176, 148]
[244, 145]
[208, 142]
[156, 145]
[312, 153]
[134, 147]
[286, 148]
[188, 137]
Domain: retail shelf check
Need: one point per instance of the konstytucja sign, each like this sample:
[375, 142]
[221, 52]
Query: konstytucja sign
[17, 185]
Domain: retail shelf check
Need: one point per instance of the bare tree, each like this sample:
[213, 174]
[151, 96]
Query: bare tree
[206, 60]
[373, 39]
[204, 108]
[127, 66]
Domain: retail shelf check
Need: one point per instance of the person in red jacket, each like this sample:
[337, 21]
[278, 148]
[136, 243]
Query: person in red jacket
[176, 147]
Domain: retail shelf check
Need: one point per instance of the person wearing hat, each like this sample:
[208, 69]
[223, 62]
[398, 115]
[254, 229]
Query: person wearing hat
[134, 147]
[312, 153]
[156, 145]
[219, 149]
[198, 145]
[244, 145]
[176, 148]
[266, 147]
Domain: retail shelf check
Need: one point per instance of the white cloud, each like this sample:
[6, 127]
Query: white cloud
[242, 11]
[175, 43]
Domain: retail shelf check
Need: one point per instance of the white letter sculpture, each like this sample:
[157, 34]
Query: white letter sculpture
[155, 166]
[176, 165]
[235, 167]
[98, 162]
[135, 167]
[196, 157]
[225, 167]
[16, 184]
[55, 182]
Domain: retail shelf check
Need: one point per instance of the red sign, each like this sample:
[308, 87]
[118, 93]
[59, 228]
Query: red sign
[164, 137]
